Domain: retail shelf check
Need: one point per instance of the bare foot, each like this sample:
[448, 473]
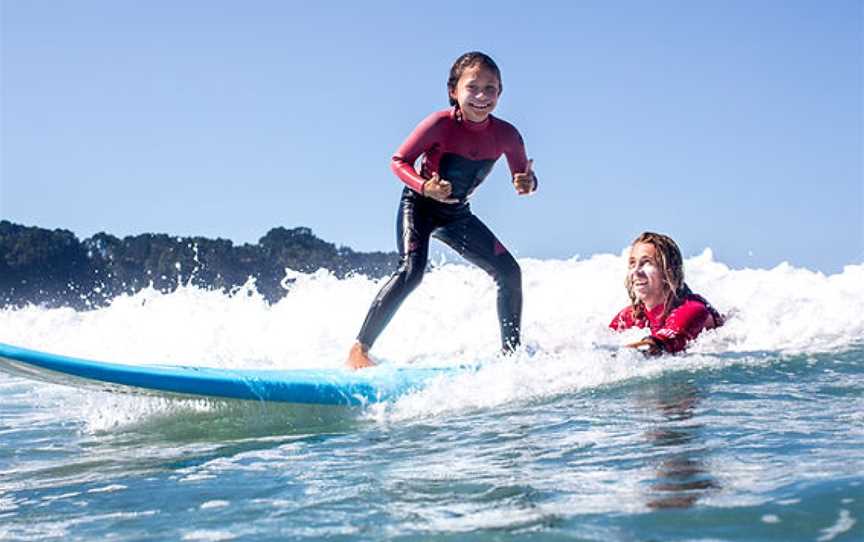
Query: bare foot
[358, 357]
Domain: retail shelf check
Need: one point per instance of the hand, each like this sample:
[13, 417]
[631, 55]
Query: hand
[525, 182]
[438, 189]
[648, 346]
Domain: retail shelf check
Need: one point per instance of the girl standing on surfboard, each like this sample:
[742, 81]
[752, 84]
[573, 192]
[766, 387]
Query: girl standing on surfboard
[459, 146]
[660, 299]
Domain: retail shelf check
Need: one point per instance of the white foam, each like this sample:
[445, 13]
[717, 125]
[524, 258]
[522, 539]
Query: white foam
[449, 319]
[214, 504]
[108, 489]
[844, 524]
[209, 535]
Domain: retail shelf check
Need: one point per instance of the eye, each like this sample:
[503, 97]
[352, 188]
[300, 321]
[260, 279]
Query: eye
[491, 89]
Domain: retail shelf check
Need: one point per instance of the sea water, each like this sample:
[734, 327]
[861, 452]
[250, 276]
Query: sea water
[757, 433]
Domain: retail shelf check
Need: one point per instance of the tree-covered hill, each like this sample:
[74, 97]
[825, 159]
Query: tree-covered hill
[54, 268]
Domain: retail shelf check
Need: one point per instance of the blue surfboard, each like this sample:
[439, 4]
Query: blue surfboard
[301, 386]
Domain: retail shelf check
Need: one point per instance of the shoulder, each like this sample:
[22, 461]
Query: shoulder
[693, 306]
[437, 119]
[430, 130]
[506, 131]
[716, 319]
[693, 315]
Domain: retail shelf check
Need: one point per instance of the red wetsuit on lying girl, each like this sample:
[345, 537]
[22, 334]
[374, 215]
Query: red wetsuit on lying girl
[459, 147]
[659, 298]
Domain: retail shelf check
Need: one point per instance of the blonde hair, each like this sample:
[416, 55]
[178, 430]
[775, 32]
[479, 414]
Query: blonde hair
[671, 266]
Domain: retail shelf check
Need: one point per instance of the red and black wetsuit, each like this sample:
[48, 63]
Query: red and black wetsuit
[681, 325]
[463, 153]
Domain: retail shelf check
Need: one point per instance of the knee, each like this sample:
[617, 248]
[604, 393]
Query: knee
[411, 275]
[509, 274]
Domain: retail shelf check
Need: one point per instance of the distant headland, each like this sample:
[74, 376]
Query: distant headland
[54, 268]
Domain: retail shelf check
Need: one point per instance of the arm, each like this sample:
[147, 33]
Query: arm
[521, 168]
[407, 174]
[682, 325]
[423, 138]
[650, 345]
[623, 320]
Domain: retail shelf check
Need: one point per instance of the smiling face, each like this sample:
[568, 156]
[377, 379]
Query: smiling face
[645, 276]
[476, 92]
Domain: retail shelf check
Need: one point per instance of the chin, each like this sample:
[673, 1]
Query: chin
[642, 297]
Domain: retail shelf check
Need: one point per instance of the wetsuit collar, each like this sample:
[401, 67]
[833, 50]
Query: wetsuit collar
[472, 126]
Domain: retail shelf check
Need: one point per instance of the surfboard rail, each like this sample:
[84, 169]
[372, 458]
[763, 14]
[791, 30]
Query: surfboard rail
[303, 386]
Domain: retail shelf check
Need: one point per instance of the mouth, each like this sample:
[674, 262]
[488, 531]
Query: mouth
[479, 107]
[640, 284]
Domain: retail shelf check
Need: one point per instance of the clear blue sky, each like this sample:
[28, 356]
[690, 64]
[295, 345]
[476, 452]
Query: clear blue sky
[730, 124]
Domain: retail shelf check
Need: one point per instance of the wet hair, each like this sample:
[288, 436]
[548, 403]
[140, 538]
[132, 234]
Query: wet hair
[474, 58]
[671, 266]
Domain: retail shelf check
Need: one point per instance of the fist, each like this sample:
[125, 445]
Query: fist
[438, 189]
[525, 182]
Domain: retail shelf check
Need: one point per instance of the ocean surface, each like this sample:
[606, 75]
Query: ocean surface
[757, 433]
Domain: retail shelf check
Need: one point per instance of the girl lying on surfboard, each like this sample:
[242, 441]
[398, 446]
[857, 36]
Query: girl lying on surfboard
[660, 299]
[459, 146]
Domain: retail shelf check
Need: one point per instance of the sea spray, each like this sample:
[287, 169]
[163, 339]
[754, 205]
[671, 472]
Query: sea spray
[449, 320]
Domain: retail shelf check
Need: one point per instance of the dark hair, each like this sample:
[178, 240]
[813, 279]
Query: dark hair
[466, 61]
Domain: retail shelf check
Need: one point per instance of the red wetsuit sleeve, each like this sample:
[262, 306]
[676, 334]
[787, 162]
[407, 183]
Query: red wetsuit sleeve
[514, 150]
[683, 324]
[426, 135]
[623, 320]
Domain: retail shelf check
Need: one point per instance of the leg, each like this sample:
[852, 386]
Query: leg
[477, 244]
[413, 230]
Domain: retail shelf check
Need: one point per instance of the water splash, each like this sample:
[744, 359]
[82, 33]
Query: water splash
[449, 320]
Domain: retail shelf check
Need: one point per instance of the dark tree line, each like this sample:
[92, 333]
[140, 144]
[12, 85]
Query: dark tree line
[53, 268]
